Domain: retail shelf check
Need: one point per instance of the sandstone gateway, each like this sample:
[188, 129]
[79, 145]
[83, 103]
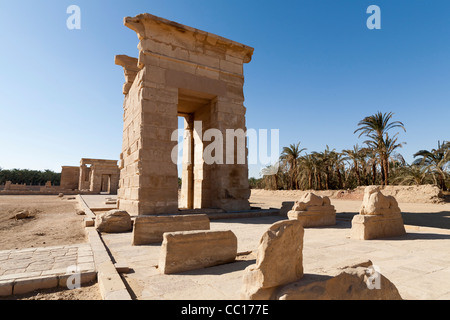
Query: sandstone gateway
[180, 72]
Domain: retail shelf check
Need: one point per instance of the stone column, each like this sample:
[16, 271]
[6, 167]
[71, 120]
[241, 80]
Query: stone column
[232, 189]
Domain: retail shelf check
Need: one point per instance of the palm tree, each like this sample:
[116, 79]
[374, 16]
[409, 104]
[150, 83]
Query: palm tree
[270, 176]
[325, 158]
[354, 156]
[306, 164]
[290, 156]
[413, 174]
[389, 152]
[372, 161]
[376, 128]
[338, 162]
[436, 161]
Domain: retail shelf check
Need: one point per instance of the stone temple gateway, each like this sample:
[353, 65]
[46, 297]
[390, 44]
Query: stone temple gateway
[181, 72]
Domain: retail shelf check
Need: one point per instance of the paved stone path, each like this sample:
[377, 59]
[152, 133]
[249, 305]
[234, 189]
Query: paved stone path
[418, 263]
[99, 201]
[44, 266]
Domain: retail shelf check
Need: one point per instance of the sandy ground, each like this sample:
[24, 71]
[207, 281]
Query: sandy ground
[89, 291]
[52, 222]
[406, 194]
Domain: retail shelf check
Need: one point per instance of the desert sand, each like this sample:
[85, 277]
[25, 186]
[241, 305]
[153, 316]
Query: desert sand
[52, 221]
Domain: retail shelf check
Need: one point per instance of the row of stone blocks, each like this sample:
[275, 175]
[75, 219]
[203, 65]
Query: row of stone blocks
[187, 241]
[380, 215]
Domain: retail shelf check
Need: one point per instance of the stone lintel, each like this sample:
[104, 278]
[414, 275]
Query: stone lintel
[138, 24]
[97, 161]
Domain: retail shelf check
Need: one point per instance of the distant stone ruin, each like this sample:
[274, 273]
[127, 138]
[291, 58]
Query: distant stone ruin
[93, 175]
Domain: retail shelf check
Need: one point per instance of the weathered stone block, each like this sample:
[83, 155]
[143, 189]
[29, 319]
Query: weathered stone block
[376, 203]
[114, 221]
[368, 227]
[311, 219]
[190, 250]
[279, 261]
[6, 288]
[313, 211]
[150, 229]
[286, 206]
[360, 282]
[28, 285]
[85, 277]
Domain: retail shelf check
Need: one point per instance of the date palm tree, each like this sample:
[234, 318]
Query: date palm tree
[436, 161]
[376, 128]
[270, 176]
[326, 160]
[306, 164]
[290, 156]
[412, 175]
[354, 156]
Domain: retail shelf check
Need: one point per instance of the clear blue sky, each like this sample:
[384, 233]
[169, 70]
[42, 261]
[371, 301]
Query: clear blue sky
[316, 72]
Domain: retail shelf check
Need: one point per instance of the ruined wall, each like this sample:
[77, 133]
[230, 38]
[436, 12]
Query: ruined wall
[70, 177]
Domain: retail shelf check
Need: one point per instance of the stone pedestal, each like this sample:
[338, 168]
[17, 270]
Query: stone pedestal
[367, 227]
[313, 211]
[380, 217]
[314, 218]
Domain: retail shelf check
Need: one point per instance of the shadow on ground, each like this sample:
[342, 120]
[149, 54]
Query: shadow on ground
[222, 269]
[439, 220]
[433, 220]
